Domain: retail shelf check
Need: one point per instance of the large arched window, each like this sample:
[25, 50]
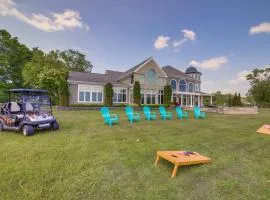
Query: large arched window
[182, 86]
[151, 76]
[191, 87]
[173, 85]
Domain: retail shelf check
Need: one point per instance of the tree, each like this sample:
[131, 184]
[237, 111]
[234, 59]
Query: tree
[239, 101]
[167, 95]
[137, 92]
[75, 61]
[47, 71]
[235, 100]
[219, 98]
[108, 91]
[259, 91]
[229, 100]
[13, 57]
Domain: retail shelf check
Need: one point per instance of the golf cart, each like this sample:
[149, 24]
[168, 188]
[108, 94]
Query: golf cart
[27, 110]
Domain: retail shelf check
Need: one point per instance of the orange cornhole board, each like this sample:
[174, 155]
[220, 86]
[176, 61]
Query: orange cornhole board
[265, 129]
[179, 158]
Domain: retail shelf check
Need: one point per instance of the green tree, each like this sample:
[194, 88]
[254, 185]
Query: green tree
[13, 57]
[229, 100]
[259, 91]
[75, 61]
[108, 91]
[239, 101]
[235, 100]
[137, 92]
[219, 98]
[47, 71]
[167, 95]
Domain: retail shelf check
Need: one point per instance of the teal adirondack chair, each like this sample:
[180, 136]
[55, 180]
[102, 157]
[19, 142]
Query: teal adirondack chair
[198, 114]
[132, 117]
[109, 119]
[148, 114]
[180, 113]
[164, 114]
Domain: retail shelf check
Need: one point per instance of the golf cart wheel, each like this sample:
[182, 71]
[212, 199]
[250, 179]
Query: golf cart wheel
[28, 130]
[1, 126]
[55, 126]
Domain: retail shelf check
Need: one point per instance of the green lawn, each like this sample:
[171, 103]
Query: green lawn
[88, 160]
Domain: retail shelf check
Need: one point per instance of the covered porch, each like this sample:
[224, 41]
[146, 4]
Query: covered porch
[188, 99]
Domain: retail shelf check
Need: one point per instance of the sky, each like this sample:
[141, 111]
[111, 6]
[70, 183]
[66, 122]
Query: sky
[225, 40]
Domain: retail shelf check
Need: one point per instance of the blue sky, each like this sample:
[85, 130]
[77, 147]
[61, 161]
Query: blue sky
[223, 39]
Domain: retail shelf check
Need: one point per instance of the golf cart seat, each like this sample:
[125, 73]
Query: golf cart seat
[27, 107]
[15, 109]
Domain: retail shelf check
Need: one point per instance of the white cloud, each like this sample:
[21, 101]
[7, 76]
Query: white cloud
[261, 28]
[240, 77]
[213, 63]
[161, 42]
[188, 35]
[69, 19]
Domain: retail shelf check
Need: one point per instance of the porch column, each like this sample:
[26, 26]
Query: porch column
[202, 101]
[211, 100]
[199, 101]
[181, 100]
[191, 100]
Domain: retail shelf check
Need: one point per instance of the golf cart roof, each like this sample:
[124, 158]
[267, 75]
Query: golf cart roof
[27, 91]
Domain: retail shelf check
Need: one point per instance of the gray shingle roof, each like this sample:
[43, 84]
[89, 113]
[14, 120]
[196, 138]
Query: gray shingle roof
[131, 70]
[175, 73]
[113, 76]
[87, 77]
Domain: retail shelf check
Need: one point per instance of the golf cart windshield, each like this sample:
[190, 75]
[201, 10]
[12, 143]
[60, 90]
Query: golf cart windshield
[31, 100]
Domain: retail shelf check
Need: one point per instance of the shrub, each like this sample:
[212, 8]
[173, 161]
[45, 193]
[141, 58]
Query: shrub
[137, 93]
[108, 94]
[167, 95]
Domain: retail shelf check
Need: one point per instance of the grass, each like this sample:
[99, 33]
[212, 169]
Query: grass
[88, 160]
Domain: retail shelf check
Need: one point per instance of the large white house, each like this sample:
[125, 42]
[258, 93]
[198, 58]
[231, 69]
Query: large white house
[88, 87]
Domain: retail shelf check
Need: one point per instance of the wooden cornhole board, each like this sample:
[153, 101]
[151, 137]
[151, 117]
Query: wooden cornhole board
[265, 129]
[178, 158]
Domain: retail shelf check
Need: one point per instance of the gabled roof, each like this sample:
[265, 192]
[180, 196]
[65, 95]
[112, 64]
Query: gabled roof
[133, 69]
[175, 73]
[87, 77]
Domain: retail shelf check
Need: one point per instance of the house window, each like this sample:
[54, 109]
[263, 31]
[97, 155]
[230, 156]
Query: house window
[197, 87]
[182, 86]
[173, 85]
[132, 79]
[151, 76]
[89, 94]
[142, 98]
[191, 87]
[81, 96]
[150, 97]
[120, 95]
[160, 96]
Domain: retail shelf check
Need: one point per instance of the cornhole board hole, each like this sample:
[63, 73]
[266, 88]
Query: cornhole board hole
[265, 129]
[181, 158]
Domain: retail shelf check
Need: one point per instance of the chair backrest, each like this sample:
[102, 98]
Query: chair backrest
[178, 109]
[146, 110]
[105, 111]
[197, 109]
[129, 110]
[162, 109]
